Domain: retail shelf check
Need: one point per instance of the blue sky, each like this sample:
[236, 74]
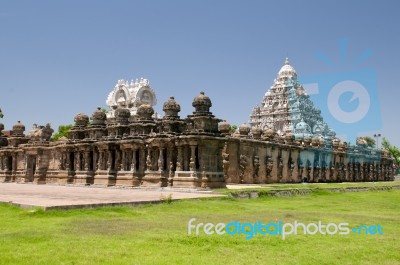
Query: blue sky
[59, 58]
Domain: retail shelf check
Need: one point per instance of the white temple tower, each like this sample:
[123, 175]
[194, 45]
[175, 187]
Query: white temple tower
[130, 95]
[286, 107]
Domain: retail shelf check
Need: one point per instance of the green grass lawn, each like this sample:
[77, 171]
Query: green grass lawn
[157, 234]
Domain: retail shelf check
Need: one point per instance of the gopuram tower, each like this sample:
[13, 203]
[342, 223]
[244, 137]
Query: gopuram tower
[286, 108]
[130, 96]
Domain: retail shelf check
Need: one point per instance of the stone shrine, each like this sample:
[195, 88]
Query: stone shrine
[130, 146]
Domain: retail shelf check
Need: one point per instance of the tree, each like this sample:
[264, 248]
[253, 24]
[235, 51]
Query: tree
[62, 132]
[393, 150]
[1, 114]
[370, 141]
[233, 128]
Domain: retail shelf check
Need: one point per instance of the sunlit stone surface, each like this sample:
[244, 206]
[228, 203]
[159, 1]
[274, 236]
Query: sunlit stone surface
[132, 146]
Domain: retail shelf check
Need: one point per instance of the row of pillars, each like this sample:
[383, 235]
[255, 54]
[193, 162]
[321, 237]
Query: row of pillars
[134, 159]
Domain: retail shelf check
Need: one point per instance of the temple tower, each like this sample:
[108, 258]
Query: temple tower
[286, 107]
[130, 96]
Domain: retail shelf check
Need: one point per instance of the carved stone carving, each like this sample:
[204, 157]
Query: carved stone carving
[256, 165]
[149, 164]
[269, 165]
[280, 167]
[130, 95]
[225, 163]
[40, 133]
[291, 168]
[171, 109]
[242, 164]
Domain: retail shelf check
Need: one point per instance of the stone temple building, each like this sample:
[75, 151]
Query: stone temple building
[132, 147]
[287, 108]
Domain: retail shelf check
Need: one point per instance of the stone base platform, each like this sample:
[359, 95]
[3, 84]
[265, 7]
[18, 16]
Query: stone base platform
[69, 197]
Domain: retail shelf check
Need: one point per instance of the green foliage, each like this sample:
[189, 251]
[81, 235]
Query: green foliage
[62, 132]
[370, 141]
[1, 114]
[393, 150]
[233, 128]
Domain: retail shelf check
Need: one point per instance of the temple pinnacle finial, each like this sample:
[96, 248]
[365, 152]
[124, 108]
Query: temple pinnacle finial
[287, 61]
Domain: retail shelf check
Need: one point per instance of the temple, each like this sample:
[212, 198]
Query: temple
[286, 107]
[288, 142]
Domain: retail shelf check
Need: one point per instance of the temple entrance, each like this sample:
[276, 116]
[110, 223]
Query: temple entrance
[30, 167]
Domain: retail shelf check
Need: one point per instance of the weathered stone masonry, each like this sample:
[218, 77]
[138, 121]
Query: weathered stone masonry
[131, 145]
[199, 151]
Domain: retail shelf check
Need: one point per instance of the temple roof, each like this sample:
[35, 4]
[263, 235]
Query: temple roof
[287, 69]
[130, 95]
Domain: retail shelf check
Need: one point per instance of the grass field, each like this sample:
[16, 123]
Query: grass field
[157, 234]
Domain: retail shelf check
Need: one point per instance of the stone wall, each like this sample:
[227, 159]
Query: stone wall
[265, 161]
[198, 151]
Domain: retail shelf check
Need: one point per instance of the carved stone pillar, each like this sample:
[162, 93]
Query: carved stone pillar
[86, 161]
[5, 162]
[148, 160]
[350, 171]
[171, 174]
[170, 162]
[14, 161]
[133, 162]
[1, 162]
[109, 160]
[26, 163]
[179, 161]
[142, 157]
[346, 172]
[95, 158]
[123, 160]
[169, 159]
[77, 161]
[186, 158]
[192, 163]
[161, 159]
[100, 160]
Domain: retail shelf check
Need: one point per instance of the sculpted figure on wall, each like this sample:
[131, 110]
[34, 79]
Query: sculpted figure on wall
[256, 164]
[269, 165]
[225, 164]
[242, 165]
